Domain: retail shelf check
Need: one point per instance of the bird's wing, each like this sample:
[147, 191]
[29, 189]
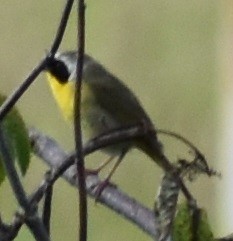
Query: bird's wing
[116, 98]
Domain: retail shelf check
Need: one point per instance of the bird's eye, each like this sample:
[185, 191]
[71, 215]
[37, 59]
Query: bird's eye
[59, 70]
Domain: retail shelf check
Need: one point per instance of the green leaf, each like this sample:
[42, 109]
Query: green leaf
[17, 138]
[182, 228]
[182, 224]
[204, 230]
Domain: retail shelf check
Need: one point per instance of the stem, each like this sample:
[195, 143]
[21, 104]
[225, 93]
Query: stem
[31, 218]
[77, 124]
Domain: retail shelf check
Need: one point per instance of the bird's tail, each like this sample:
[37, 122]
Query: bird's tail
[154, 149]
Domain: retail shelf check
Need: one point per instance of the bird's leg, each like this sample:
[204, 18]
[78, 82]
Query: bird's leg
[99, 168]
[100, 187]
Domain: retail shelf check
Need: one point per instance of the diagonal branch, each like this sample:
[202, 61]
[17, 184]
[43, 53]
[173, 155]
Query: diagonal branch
[111, 197]
[14, 97]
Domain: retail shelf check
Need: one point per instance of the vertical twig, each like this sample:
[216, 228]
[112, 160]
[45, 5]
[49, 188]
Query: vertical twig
[46, 217]
[77, 123]
[31, 218]
[196, 218]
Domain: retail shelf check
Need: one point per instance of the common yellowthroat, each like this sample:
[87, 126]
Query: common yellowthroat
[106, 104]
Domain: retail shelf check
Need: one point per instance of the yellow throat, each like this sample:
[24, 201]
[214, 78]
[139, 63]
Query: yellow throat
[64, 95]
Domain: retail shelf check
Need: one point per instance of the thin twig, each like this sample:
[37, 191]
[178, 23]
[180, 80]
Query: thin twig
[31, 217]
[46, 217]
[14, 97]
[188, 143]
[77, 123]
[11, 231]
[62, 27]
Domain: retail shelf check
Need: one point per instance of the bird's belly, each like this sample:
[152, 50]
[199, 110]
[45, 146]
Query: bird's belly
[95, 122]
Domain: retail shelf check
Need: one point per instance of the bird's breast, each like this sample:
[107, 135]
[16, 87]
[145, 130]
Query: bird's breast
[93, 118]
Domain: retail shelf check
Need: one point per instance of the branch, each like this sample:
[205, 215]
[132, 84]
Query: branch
[39, 140]
[62, 27]
[111, 197]
[31, 216]
[14, 97]
[9, 232]
[47, 208]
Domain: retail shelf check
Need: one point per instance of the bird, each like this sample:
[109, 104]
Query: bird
[107, 104]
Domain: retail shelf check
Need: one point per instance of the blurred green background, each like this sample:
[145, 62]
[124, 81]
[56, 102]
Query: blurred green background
[172, 54]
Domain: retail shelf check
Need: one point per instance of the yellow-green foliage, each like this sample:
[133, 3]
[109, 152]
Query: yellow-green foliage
[183, 227]
[17, 140]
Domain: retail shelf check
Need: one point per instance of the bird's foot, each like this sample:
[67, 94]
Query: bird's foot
[92, 171]
[99, 188]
